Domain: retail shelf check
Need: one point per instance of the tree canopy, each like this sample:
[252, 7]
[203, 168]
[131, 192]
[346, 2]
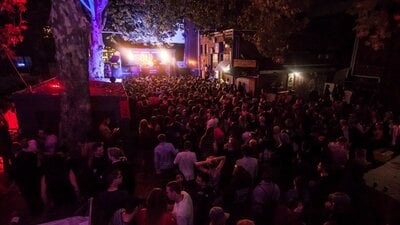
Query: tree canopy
[270, 22]
[273, 23]
[144, 22]
[376, 20]
[11, 32]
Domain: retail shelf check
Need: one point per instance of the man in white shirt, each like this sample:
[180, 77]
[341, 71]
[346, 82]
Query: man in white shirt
[185, 161]
[183, 207]
[212, 120]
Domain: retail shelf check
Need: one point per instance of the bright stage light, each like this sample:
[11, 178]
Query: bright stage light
[192, 62]
[150, 63]
[164, 56]
[129, 54]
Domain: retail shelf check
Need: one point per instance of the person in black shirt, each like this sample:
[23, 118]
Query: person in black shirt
[203, 198]
[59, 187]
[26, 175]
[110, 200]
[120, 162]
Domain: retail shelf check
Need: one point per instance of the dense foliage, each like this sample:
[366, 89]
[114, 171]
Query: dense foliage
[376, 20]
[270, 22]
[273, 23]
[144, 22]
[11, 32]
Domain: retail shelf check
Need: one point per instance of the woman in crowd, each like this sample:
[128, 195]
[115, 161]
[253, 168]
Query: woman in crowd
[155, 212]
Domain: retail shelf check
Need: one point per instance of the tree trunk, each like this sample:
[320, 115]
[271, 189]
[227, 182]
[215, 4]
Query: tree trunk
[70, 29]
[96, 64]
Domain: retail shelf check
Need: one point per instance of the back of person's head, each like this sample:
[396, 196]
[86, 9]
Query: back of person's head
[32, 146]
[330, 222]
[174, 186]
[218, 216]
[245, 222]
[253, 143]
[115, 152]
[41, 133]
[204, 177]
[112, 175]
[143, 124]
[246, 150]
[267, 174]
[187, 145]
[153, 119]
[131, 205]
[156, 203]
[180, 178]
[276, 129]
[51, 143]
[212, 163]
[162, 138]
[341, 202]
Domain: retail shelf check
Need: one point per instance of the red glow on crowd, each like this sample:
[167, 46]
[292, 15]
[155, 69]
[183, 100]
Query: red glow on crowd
[1, 165]
[96, 88]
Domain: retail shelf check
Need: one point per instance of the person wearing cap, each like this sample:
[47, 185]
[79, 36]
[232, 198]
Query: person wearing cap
[218, 216]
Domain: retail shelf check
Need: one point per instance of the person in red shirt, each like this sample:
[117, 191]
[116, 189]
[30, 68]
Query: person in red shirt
[156, 212]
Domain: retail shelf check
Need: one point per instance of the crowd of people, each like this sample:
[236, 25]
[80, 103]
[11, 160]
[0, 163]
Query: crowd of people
[218, 154]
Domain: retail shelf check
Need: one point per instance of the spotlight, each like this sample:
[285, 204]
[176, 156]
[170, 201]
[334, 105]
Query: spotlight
[164, 56]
